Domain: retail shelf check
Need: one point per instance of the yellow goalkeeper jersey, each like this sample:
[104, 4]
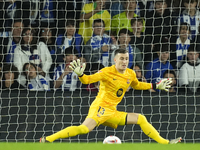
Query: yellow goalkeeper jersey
[113, 85]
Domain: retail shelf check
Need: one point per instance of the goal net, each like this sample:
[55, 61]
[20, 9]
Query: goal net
[40, 95]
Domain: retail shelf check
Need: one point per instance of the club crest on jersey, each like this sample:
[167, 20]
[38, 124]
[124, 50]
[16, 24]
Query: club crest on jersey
[99, 71]
[119, 92]
[128, 81]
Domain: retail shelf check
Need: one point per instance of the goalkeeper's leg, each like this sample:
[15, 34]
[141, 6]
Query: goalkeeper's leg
[87, 126]
[146, 127]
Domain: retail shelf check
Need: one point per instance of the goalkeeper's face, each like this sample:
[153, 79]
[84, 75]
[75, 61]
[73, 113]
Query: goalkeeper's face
[121, 61]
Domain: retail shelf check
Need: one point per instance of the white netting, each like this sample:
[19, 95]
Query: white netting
[39, 38]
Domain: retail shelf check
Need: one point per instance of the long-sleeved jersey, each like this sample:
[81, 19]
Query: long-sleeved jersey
[113, 85]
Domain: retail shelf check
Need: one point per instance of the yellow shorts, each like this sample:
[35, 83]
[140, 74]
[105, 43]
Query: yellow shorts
[107, 116]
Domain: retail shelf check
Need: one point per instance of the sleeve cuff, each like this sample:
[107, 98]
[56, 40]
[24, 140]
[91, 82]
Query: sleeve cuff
[80, 76]
[153, 86]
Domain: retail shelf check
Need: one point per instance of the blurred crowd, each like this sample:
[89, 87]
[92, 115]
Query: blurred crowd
[39, 38]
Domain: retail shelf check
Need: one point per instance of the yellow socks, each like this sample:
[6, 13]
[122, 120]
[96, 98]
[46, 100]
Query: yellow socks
[146, 127]
[149, 130]
[68, 132]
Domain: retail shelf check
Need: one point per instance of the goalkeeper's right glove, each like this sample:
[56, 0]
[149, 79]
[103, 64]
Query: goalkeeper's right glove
[77, 68]
[164, 84]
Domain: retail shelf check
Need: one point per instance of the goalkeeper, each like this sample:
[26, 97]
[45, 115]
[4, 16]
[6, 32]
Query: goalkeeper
[114, 82]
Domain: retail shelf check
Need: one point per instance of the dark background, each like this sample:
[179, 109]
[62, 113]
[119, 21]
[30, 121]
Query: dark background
[26, 116]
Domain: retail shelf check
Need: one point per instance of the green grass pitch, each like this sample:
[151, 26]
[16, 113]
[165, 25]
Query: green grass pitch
[96, 146]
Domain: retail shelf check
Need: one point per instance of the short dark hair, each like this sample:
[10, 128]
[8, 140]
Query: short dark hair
[163, 47]
[121, 51]
[18, 20]
[160, 1]
[133, 20]
[189, 1]
[184, 24]
[10, 68]
[125, 1]
[136, 64]
[170, 72]
[70, 21]
[193, 48]
[124, 31]
[98, 21]
[71, 50]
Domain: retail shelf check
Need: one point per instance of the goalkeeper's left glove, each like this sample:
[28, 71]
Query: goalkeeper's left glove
[164, 84]
[77, 68]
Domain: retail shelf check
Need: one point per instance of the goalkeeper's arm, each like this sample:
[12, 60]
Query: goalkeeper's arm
[79, 70]
[162, 85]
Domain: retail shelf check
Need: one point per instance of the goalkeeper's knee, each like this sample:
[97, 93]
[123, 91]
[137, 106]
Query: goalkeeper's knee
[83, 129]
[141, 119]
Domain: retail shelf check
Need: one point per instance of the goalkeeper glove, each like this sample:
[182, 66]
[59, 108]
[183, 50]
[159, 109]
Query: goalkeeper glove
[164, 84]
[77, 68]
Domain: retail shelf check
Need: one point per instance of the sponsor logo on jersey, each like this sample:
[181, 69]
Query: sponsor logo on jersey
[119, 92]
